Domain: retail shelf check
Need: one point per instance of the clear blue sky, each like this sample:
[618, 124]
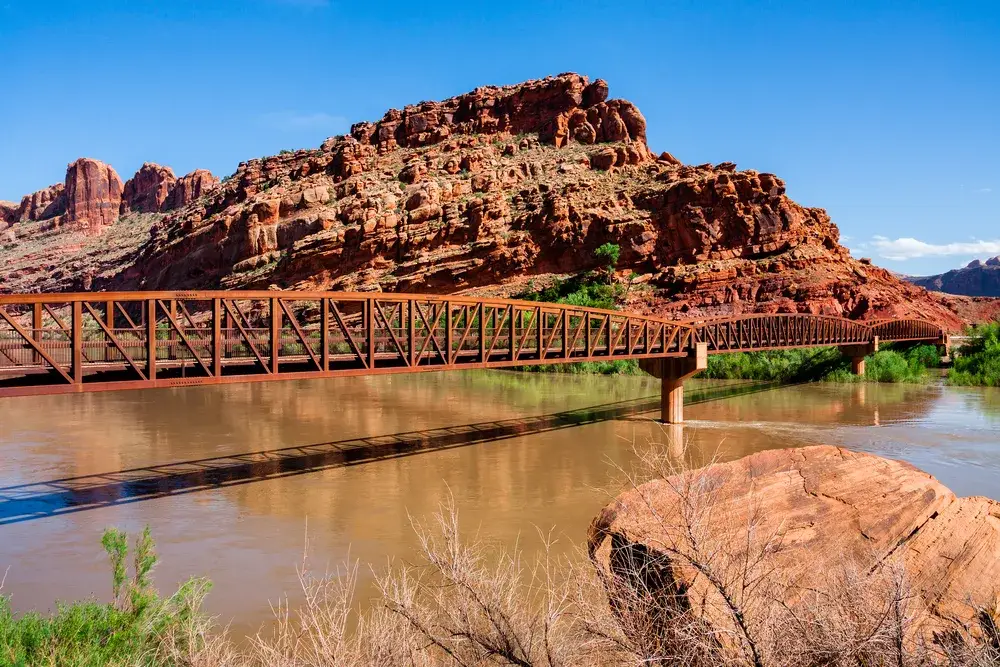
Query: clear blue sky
[885, 113]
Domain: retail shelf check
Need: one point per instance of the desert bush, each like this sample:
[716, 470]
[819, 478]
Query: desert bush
[978, 362]
[137, 628]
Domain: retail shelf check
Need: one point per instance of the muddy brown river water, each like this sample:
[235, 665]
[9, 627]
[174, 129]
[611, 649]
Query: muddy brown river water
[232, 478]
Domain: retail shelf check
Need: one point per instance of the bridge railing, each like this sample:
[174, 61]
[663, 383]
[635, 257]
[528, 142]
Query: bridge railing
[906, 330]
[72, 342]
[768, 331]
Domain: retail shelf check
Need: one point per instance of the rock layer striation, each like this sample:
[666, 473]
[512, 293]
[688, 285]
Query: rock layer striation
[808, 514]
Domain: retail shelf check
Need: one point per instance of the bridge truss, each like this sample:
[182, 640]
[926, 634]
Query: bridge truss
[67, 343]
[59, 343]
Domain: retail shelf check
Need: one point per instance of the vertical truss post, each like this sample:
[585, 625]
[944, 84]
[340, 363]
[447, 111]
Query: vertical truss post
[565, 334]
[512, 342]
[411, 333]
[109, 321]
[448, 353]
[539, 332]
[36, 327]
[217, 337]
[77, 342]
[369, 313]
[171, 333]
[324, 333]
[586, 335]
[275, 335]
[150, 316]
[482, 333]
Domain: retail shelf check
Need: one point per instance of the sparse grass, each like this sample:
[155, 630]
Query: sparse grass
[978, 362]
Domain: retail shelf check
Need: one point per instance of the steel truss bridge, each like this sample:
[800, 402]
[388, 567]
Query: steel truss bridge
[67, 343]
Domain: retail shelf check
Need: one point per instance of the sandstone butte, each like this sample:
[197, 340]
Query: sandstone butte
[819, 508]
[491, 193]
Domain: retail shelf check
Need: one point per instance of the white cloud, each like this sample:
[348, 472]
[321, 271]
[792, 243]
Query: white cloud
[297, 120]
[984, 190]
[902, 249]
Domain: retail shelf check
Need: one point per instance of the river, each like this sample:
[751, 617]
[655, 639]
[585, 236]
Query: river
[232, 478]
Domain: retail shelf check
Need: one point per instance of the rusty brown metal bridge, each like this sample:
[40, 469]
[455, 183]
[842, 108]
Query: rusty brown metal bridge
[68, 343]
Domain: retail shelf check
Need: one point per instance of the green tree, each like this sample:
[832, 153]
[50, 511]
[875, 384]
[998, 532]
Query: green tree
[608, 254]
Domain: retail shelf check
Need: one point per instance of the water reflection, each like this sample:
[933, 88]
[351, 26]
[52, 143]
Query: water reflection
[221, 471]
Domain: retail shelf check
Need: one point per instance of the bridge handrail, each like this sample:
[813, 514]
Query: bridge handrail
[199, 295]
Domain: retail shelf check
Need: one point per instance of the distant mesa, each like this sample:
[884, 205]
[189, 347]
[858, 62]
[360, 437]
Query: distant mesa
[977, 278]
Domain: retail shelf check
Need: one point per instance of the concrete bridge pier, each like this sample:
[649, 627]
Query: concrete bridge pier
[857, 354]
[672, 372]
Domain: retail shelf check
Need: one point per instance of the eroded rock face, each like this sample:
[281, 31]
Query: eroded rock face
[189, 188]
[46, 203]
[820, 509]
[9, 211]
[147, 191]
[93, 195]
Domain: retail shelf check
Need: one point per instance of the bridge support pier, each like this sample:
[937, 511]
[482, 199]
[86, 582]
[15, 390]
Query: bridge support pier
[857, 354]
[672, 372]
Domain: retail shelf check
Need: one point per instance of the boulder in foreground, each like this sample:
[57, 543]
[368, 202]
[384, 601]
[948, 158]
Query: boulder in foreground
[736, 542]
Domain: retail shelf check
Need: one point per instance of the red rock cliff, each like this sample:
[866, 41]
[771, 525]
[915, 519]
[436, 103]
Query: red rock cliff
[93, 195]
[147, 191]
[488, 190]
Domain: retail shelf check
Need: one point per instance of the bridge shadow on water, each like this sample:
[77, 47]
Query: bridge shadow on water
[38, 500]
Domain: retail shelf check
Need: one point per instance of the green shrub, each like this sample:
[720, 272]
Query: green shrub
[797, 365]
[608, 254]
[131, 630]
[892, 364]
[978, 361]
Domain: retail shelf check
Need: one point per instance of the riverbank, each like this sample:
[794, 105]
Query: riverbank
[517, 450]
[463, 600]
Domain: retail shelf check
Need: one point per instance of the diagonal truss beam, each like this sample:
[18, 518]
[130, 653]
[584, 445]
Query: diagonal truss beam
[29, 339]
[114, 339]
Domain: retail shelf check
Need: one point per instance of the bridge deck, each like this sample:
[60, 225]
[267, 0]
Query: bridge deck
[61, 343]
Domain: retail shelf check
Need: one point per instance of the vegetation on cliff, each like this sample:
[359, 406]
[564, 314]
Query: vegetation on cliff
[978, 362]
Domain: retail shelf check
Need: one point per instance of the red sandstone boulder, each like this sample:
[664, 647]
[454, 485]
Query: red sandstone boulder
[190, 187]
[147, 191]
[43, 204]
[93, 195]
[792, 520]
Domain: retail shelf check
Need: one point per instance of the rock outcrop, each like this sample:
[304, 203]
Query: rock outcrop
[44, 204]
[93, 195]
[147, 191]
[9, 211]
[976, 279]
[808, 514]
[189, 188]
